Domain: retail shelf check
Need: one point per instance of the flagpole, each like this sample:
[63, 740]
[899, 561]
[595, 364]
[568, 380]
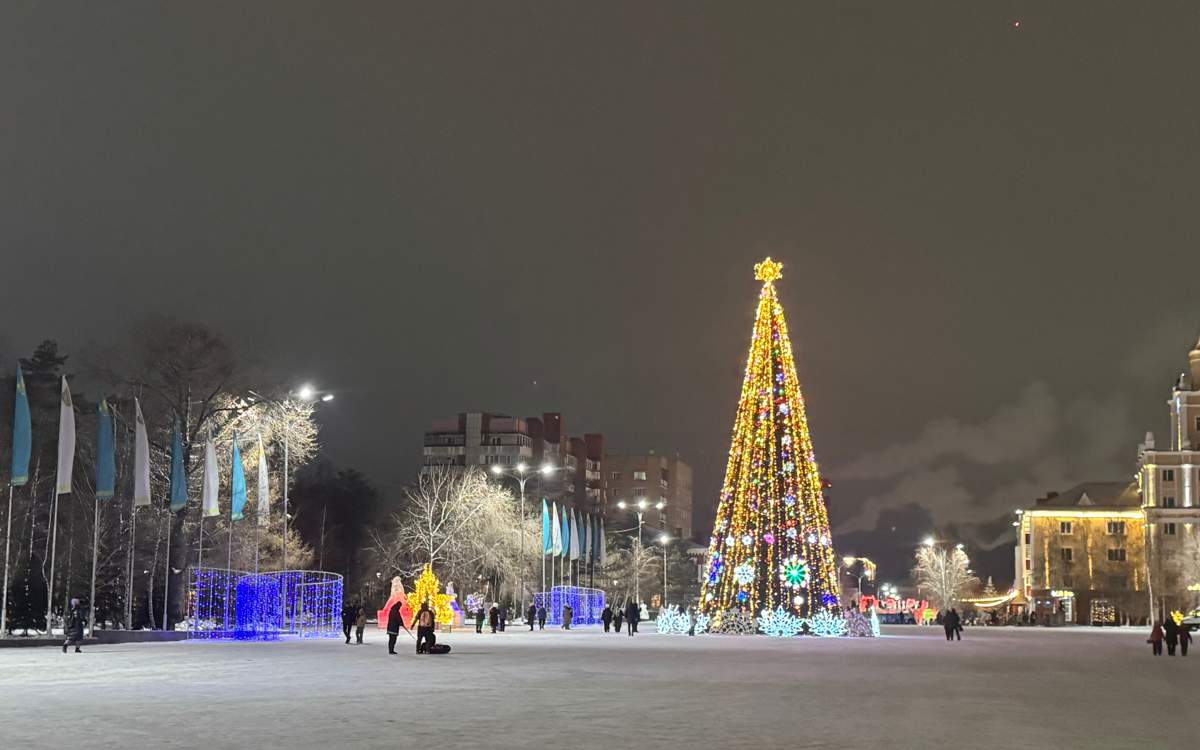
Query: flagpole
[95, 547]
[7, 542]
[129, 574]
[53, 550]
[167, 572]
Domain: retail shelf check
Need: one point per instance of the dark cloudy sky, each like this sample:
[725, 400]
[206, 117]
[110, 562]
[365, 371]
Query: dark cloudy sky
[989, 233]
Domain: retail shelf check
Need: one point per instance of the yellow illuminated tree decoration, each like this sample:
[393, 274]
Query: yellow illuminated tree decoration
[429, 589]
[771, 512]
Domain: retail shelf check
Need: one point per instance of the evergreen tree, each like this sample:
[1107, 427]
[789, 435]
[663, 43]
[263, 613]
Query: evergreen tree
[771, 545]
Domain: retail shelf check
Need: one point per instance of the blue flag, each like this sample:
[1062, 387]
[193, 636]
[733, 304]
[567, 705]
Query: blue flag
[566, 532]
[237, 485]
[106, 471]
[178, 480]
[547, 542]
[22, 435]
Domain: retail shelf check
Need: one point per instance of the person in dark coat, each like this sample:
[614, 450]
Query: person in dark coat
[494, 617]
[1185, 637]
[395, 621]
[425, 623]
[479, 619]
[503, 614]
[73, 627]
[531, 616]
[349, 615]
[1171, 635]
[606, 617]
[953, 625]
[1156, 639]
[632, 615]
[568, 616]
[619, 619]
[541, 615]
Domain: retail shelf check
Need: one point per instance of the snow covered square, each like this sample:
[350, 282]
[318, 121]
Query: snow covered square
[998, 687]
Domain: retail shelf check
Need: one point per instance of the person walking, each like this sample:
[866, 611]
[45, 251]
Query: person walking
[360, 624]
[1171, 635]
[1185, 637]
[348, 618]
[568, 616]
[541, 615]
[503, 614]
[73, 627]
[395, 621]
[425, 623]
[691, 621]
[619, 618]
[479, 619]
[606, 617]
[531, 616]
[631, 617]
[494, 617]
[952, 625]
[1156, 639]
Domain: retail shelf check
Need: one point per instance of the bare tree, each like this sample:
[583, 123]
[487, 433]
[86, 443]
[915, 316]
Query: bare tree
[943, 575]
[462, 524]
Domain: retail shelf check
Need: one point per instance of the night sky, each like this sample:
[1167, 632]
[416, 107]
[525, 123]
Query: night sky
[988, 231]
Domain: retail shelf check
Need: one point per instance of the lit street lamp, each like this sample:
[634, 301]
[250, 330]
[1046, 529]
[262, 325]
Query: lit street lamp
[640, 511]
[664, 540]
[522, 474]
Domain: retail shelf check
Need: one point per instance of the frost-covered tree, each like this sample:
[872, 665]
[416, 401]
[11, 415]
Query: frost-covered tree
[468, 528]
[943, 575]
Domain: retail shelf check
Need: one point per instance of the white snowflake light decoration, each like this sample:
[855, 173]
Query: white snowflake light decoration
[826, 625]
[701, 624]
[733, 622]
[744, 573]
[780, 623]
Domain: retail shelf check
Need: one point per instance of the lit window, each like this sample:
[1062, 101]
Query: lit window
[1117, 554]
[1064, 527]
[1169, 529]
[639, 476]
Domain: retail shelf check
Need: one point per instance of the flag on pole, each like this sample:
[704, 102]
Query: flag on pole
[555, 531]
[178, 479]
[587, 537]
[547, 542]
[237, 485]
[22, 435]
[603, 546]
[66, 439]
[212, 482]
[566, 533]
[141, 459]
[106, 469]
[264, 487]
[596, 539]
[574, 535]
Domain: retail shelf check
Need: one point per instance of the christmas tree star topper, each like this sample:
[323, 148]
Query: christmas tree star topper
[768, 270]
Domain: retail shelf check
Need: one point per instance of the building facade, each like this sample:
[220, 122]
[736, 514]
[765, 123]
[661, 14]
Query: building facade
[1081, 554]
[654, 479]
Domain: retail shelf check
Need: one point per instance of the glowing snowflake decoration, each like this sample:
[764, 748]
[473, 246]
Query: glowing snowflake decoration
[827, 625]
[789, 500]
[780, 623]
[729, 540]
[791, 533]
[747, 539]
[671, 620]
[701, 624]
[794, 572]
[812, 538]
[744, 573]
[769, 538]
[733, 622]
[874, 623]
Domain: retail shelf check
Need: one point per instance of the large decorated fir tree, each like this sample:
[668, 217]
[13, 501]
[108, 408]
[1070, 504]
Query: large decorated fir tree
[771, 545]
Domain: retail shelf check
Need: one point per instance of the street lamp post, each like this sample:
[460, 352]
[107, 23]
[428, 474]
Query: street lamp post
[640, 511]
[664, 540]
[522, 475]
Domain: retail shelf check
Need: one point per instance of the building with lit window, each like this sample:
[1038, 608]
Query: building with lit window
[652, 479]
[1105, 550]
[1081, 554]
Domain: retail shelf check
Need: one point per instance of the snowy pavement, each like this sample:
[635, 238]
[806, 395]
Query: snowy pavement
[999, 687]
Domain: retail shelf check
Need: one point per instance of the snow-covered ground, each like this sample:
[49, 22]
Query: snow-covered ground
[998, 688]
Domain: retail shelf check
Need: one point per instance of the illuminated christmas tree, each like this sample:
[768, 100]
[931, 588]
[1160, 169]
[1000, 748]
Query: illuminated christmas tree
[428, 589]
[771, 546]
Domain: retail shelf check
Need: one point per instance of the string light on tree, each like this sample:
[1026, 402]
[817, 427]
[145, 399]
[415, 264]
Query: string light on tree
[771, 537]
[428, 589]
